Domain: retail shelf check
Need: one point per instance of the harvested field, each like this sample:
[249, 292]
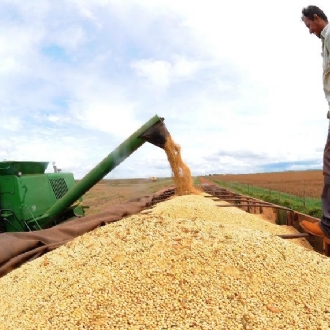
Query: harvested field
[112, 192]
[298, 183]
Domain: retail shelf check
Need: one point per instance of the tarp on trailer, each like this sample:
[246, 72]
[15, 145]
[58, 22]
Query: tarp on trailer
[20, 247]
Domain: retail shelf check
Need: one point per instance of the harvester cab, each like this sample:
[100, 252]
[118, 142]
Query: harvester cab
[31, 199]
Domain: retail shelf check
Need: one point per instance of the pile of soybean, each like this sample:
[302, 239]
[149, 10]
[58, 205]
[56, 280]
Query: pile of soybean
[187, 264]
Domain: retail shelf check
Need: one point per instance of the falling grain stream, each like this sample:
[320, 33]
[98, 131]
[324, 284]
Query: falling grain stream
[181, 172]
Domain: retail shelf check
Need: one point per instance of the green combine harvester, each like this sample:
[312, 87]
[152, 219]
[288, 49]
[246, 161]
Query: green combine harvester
[31, 199]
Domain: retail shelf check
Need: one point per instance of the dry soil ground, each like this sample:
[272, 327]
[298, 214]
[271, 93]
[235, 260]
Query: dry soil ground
[111, 192]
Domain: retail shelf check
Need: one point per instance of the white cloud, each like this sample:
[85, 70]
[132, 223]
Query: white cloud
[107, 115]
[162, 73]
[157, 72]
[11, 123]
[186, 68]
[239, 83]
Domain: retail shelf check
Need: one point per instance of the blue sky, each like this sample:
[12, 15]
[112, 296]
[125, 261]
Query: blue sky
[238, 83]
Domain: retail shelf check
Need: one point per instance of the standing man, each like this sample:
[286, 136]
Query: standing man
[317, 23]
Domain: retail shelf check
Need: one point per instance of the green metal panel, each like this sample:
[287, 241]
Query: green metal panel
[14, 167]
[25, 198]
[6, 185]
[60, 183]
[9, 203]
[34, 195]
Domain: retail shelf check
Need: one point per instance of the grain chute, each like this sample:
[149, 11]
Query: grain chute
[31, 199]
